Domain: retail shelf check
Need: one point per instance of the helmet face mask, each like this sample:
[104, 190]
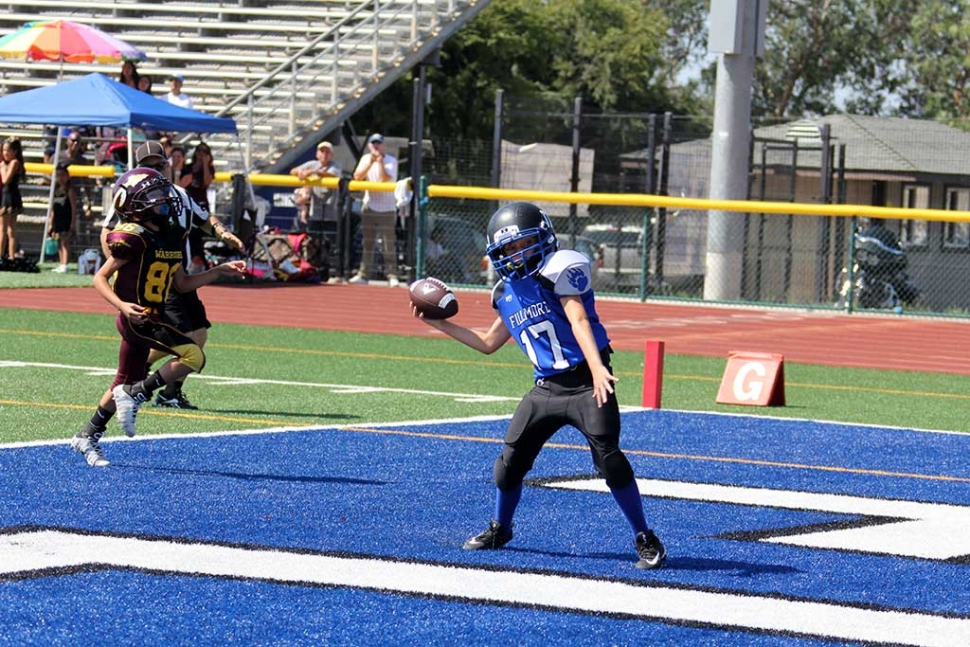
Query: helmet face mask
[520, 238]
[144, 195]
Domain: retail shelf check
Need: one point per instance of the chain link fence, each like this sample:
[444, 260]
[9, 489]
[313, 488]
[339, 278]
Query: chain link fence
[920, 264]
[787, 259]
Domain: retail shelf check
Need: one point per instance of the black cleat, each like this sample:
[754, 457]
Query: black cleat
[650, 550]
[495, 536]
[178, 402]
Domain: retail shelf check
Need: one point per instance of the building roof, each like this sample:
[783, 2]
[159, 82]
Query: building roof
[882, 146]
[889, 144]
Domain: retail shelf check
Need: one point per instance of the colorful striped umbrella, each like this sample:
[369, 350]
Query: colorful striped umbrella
[62, 40]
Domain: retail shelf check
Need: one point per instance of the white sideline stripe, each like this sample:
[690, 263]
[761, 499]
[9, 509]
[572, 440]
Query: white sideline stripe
[249, 432]
[50, 549]
[265, 430]
[240, 381]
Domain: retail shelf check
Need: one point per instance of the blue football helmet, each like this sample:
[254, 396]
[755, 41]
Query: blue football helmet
[514, 222]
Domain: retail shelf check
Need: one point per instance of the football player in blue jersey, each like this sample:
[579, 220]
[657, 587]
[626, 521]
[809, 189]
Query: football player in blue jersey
[545, 303]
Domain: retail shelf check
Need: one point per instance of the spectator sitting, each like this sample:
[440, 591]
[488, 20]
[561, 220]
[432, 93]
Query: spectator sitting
[176, 96]
[145, 83]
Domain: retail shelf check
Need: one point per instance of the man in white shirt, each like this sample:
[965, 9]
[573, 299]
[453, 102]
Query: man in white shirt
[176, 96]
[379, 209]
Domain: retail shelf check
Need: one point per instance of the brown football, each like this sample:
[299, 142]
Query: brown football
[433, 298]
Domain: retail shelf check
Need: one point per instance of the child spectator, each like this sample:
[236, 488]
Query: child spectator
[62, 222]
[11, 203]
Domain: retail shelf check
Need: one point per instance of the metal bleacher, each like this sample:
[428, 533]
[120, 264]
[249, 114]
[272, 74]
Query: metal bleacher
[287, 72]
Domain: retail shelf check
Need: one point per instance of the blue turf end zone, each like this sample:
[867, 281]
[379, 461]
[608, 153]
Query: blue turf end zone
[779, 532]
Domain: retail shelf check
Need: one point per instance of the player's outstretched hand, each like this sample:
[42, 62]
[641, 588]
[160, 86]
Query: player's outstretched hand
[232, 239]
[231, 268]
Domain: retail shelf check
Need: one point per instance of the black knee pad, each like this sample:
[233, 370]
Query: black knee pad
[616, 469]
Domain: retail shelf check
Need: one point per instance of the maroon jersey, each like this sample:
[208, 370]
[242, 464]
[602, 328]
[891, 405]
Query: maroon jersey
[153, 259]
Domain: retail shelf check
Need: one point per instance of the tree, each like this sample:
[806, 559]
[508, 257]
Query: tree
[932, 73]
[824, 56]
[609, 52]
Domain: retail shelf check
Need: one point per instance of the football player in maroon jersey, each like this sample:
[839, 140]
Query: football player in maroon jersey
[146, 261]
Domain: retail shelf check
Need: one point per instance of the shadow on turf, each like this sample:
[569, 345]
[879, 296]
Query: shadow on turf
[249, 477]
[744, 569]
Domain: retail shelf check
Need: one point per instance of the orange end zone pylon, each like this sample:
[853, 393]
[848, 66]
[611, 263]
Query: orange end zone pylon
[653, 374]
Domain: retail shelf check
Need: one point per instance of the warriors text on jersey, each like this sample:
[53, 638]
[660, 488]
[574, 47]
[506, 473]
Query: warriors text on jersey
[535, 317]
[153, 259]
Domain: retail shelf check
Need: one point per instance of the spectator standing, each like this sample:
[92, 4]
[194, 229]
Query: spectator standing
[11, 203]
[145, 83]
[129, 74]
[379, 209]
[167, 144]
[175, 95]
[318, 216]
[63, 216]
[196, 180]
[74, 156]
[176, 158]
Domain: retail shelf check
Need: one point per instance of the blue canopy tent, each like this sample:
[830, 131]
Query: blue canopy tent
[96, 100]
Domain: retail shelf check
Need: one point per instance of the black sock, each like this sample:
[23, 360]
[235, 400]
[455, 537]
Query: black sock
[147, 386]
[97, 424]
[172, 389]
[101, 417]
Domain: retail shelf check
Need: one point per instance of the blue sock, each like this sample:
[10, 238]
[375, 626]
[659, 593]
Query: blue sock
[505, 504]
[628, 498]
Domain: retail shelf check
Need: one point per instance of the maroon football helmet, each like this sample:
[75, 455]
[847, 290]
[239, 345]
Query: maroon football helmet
[145, 195]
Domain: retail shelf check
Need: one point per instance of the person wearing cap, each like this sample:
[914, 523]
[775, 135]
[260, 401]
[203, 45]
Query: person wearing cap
[316, 206]
[175, 95]
[184, 310]
[379, 209]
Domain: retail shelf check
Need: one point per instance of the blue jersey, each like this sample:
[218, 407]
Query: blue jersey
[533, 313]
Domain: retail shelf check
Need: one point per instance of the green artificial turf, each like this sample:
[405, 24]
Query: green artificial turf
[55, 366]
[45, 278]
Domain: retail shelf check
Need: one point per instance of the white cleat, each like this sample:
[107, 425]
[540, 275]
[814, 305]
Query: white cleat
[90, 448]
[127, 408]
